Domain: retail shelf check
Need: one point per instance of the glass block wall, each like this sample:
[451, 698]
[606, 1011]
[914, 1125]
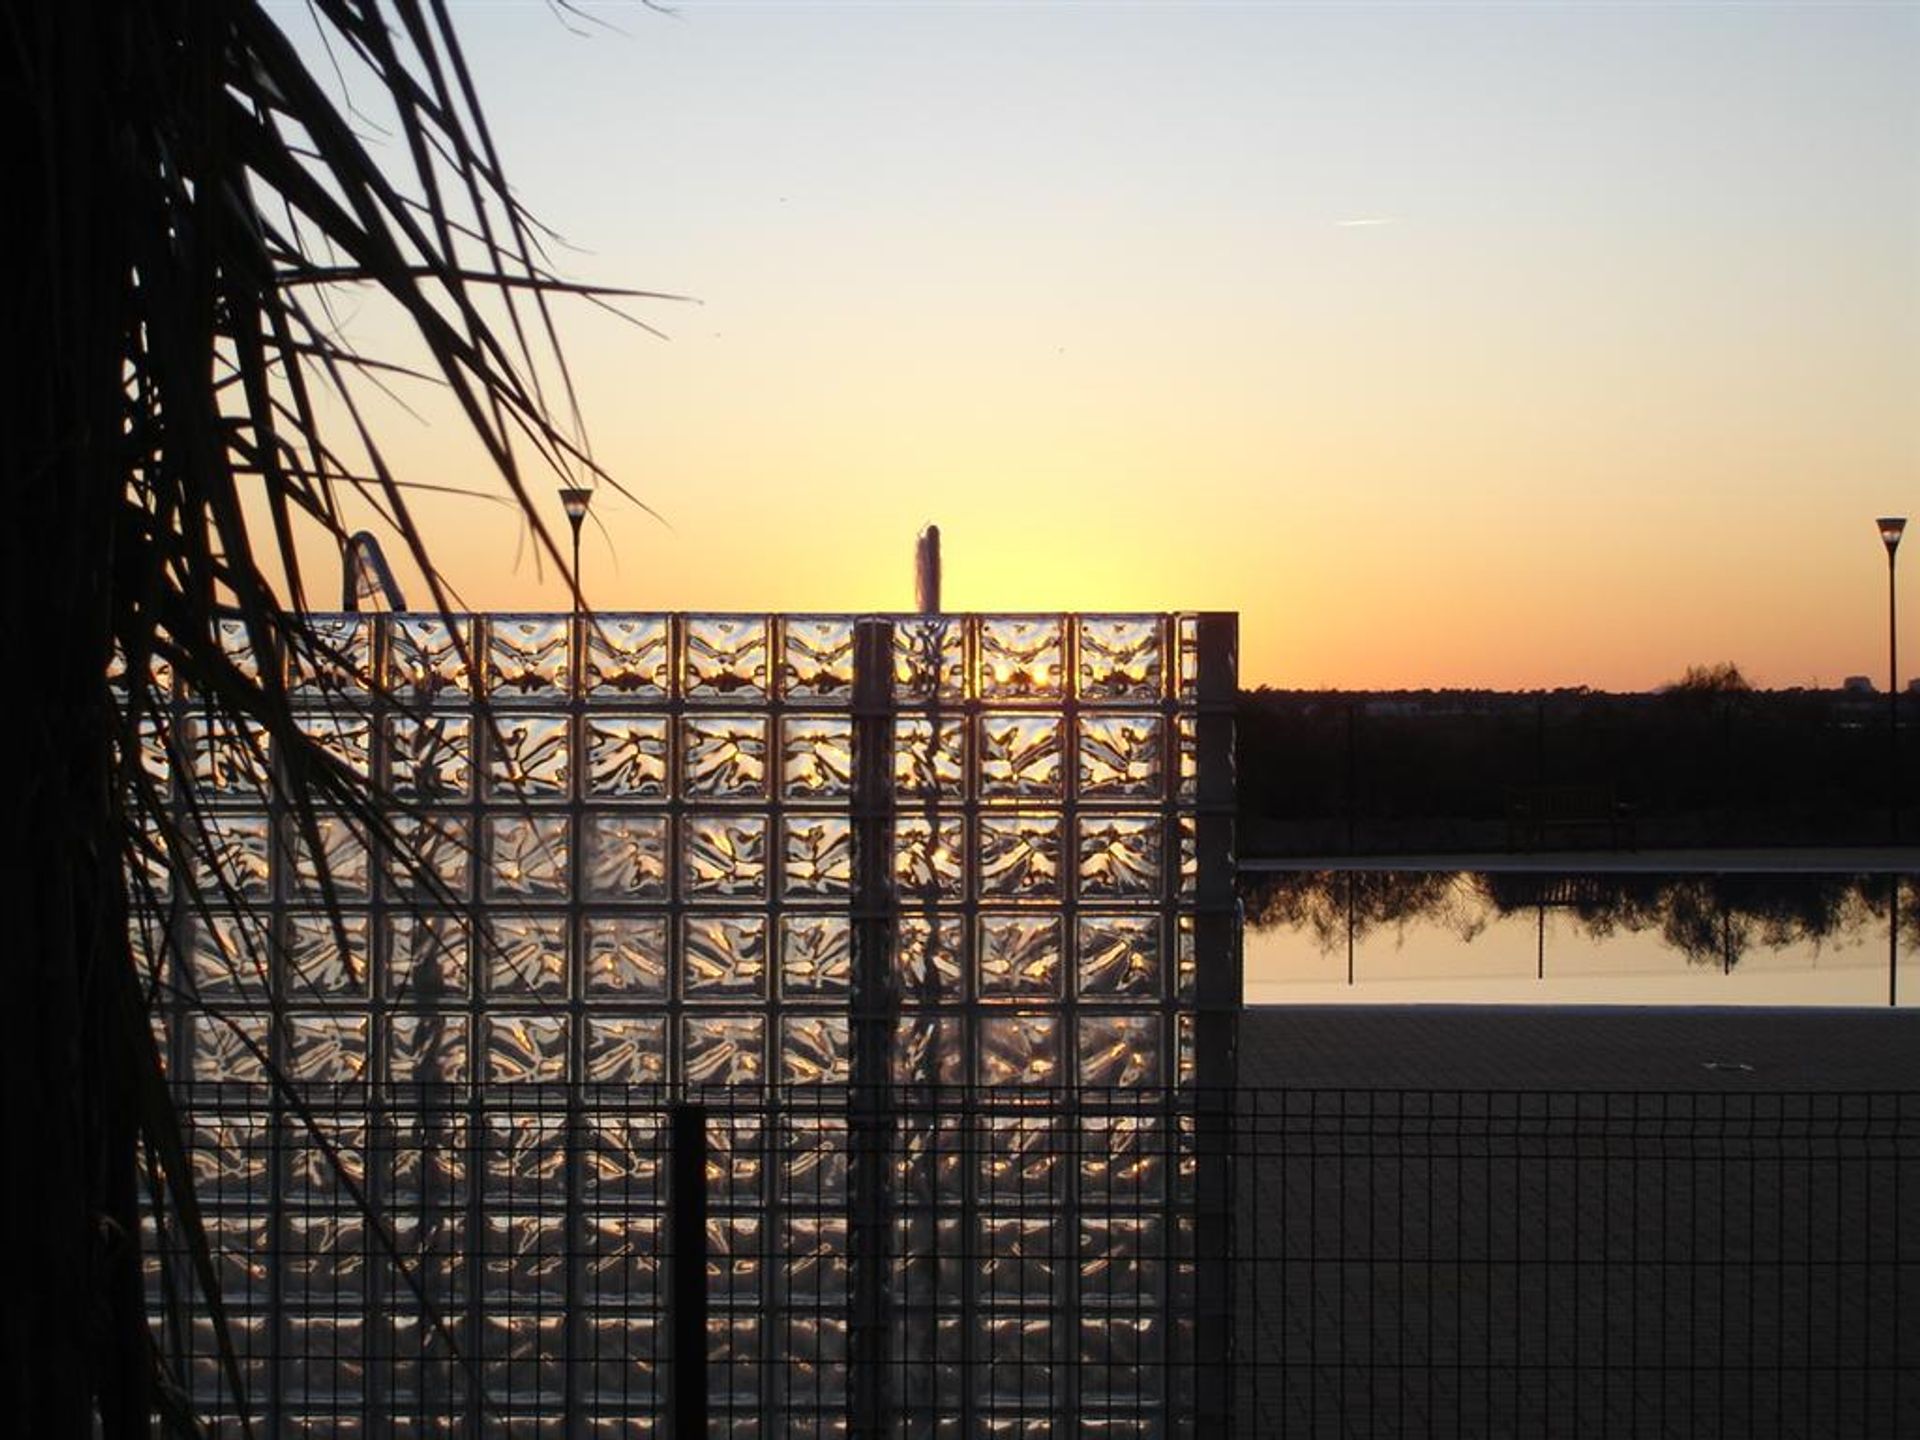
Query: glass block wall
[935, 911]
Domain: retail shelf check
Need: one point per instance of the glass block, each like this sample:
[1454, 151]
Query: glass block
[526, 954]
[333, 657]
[1123, 1161]
[724, 957]
[929, 1049]
[724, 857]
[228, 759]
[428, 1048]
[526, 1049]
[1020, 1260]
[816, 757]
[326, 1049]
[339, 866]
[626, 1049]
[1121, 657]
[1020, 857]
[723, 757]
[326, 955]
[624, 1159]
[156, 763]
[527, 657]
[1019, 1050]
[1119, 956]
[528, 757]
[430, 757]
[524, 1156]
[527, 857]
[1187, 731]
[432, 856]
[723, 1049]
[1187, 827]
[428, 657]
[236, 645]
[427, 958]
[1021, 656]
[726, 655]
[817, 856]
[1020, 957]
[1015, 1355]
[1122, 1361]
[626, 756]
[1120, 856]
[1184, 1067]
[523, 1258]
[1119, 1049]
[929, 857]
[816, 665]
[814, 1049]
[227, 1048]
[816, 955]
[627, 657]
[929, 756]
[229, 854]
[229, 1155]
[929, 660]
[1020, 756]
[817, 1264]
[520, 1362]
[626, 856]
[230, 953]
[1121, 756]
[344, 737]
[626, 957]
[928, 956]
[814, 1163]
[623, 1257]
[1189, 679]
[1184, 956]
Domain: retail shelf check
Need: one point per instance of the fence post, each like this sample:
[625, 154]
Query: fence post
[687, 1274]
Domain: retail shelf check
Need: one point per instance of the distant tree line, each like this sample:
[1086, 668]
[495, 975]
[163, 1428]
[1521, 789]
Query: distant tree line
[1707, 761]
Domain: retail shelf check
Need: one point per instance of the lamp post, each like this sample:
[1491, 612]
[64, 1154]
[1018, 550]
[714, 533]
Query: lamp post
[576, 499]
[1891, 527]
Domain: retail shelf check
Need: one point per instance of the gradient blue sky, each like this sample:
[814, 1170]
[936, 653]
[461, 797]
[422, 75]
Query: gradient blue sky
[1451, 344]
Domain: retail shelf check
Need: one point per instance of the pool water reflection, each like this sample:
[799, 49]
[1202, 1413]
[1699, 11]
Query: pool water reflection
[1465, 937]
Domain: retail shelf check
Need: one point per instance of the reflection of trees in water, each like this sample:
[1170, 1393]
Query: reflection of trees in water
[1710, 919]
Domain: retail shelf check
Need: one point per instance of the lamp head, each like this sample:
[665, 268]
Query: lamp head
[1891, 527]
[576, 498]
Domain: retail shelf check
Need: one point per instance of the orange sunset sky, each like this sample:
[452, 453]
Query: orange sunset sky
[1508, 345]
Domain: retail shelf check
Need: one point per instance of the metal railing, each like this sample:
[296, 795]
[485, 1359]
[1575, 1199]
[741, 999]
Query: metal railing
[469, 1261]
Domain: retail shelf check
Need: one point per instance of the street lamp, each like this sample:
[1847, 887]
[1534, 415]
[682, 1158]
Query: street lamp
[576, 499]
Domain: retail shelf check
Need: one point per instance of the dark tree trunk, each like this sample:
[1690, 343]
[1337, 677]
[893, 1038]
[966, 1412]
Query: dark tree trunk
[73, 1336]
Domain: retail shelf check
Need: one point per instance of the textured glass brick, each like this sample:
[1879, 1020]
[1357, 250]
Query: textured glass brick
[626, 1049]
[1020, 756]
[1187, 731]
[929, 659]
[724, 957]
[813, 1049]
[1021, 656]
[338, 867]
[1121, 756]
[230, 953]
[929, 857]
[1019, 1050]
[1188, 832]
[816, 1251]
[431, 1048]
[432, 857]
[623, 1253]
[1020, 1260]
[1188, 687]
[326, 1049]
[427, 958]
[626, 756]
[228, 759]
[326, 955]
[528, 757]
[236, 645]
[1121, 657]
[1120, 856]
[527, 657]
[1123, 1161]
[430, 757]
[526, 954]
[527, 857]
[229, 1155]
[1016, 1355]
[816, 856]
[1020, 957]
[723, 757]
[345, 737]
[335, 657]
[816, 665]
[524, 1156]
[724, 1049]
[1022, 1159]
[928, 959]
[816, 757]
[520, 1362]
[726, 656]
[523, 1049]
[724, 857]
[626, 957]
[431, 1163]
[428, 656]
[626, 856]
[230, 853]
[816, 955]
[523, 1259]
[627, 657]
[1121, 1360]
[1119, 956]
[1020, 857]
[814, 1170]
[227, 1048]
[623, 1159]
[1183, 957]
[1119, 1049]
[929, 756]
